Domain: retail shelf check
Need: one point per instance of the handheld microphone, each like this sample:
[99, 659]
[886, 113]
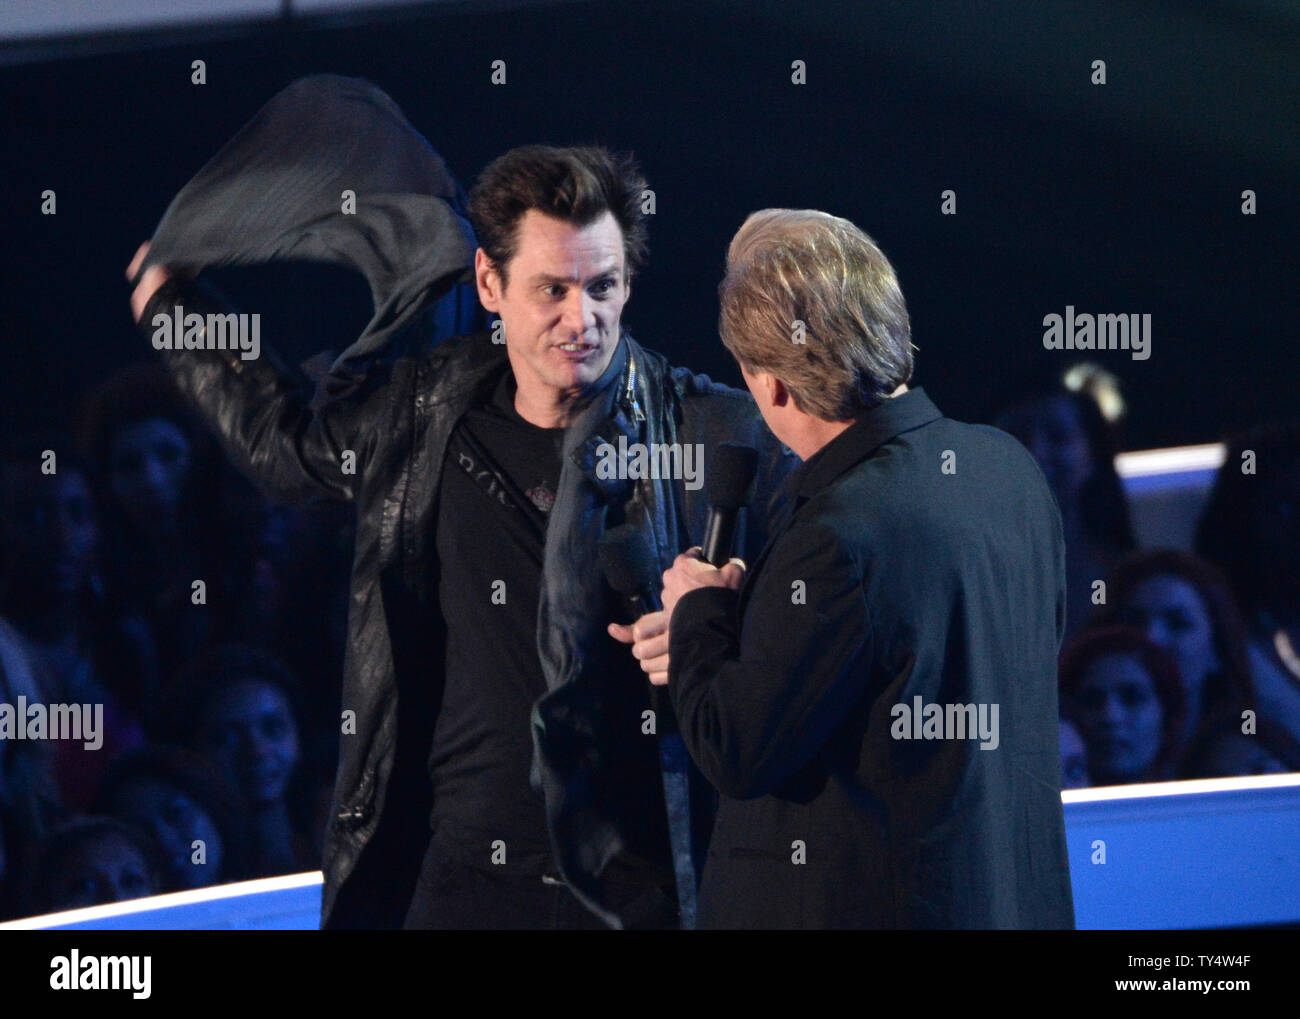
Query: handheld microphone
[631, 568]
[733, 469]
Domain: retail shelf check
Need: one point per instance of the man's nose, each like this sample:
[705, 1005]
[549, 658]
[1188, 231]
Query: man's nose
[579, 312]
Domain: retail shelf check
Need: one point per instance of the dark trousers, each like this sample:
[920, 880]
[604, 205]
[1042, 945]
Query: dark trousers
[454, 896]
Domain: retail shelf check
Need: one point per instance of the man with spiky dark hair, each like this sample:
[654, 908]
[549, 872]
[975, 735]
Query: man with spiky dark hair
[480, 623]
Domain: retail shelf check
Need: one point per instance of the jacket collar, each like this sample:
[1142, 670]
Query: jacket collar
[872, 429]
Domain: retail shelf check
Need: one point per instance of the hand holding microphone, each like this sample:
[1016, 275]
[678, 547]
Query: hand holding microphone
[733, 470]
[690, 571]
[629, 562]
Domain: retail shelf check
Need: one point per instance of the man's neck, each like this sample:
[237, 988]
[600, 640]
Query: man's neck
[554, 408]
[815, 434]
[546, 407]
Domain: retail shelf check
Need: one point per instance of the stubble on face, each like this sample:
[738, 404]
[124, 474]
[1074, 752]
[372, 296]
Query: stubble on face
[561, 306]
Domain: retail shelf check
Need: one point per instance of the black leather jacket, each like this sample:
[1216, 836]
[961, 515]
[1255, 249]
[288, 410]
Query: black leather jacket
[396, 420]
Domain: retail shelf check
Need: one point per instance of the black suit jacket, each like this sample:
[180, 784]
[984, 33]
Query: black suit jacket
[919, 557]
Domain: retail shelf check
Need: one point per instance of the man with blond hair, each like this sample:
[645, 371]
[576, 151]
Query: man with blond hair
[875, 700]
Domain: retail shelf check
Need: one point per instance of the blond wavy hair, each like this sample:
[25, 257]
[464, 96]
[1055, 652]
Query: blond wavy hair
[809, 298]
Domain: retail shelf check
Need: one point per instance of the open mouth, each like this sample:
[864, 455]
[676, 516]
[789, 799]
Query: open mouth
[576, 351]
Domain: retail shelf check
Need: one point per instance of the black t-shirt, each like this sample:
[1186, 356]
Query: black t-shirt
[490, 539]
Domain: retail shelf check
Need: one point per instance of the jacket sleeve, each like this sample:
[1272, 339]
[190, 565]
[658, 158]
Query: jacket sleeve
[757, 698]
[260, 410]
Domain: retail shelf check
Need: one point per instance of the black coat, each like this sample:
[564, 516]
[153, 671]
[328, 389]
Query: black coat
[920, 557]
[597, 770]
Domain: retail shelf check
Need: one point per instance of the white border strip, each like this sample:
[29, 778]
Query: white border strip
[1184, 787]
[233, 890]
[1172, 460]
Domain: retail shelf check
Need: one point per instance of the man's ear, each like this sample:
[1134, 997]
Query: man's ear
[776, 391]
[488, 281]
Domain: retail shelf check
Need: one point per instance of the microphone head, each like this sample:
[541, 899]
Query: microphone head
[628, 561]
[733, 469]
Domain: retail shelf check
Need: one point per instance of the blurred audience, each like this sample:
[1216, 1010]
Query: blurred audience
[1228, 752]
[1186, 606]
[51, 591]
[29, 796]
[1250, 528]
[1075, 449]
[1074, 757]
[175, 514]
[90, 861]
[101, 542]
[236, 709]
[193, 815]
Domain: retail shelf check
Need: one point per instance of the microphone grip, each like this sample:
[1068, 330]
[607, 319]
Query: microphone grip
[643, 603]
[720, 535]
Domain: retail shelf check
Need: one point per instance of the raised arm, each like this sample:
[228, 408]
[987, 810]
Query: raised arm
[256, 406]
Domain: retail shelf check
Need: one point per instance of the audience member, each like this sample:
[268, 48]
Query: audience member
[180, 527]
[51, 592]
[90, 861]
[1124, 694]
[1185, 605]
[1075, 448]
[238, 712]
[184, 802]
[1250, 529]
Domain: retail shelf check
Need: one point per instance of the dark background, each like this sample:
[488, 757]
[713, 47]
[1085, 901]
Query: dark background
[1117, 198]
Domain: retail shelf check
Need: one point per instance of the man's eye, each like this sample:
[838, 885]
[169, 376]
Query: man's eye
[603, 287]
